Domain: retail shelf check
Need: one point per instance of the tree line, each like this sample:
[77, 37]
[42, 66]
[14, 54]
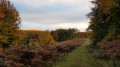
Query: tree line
[64, 34]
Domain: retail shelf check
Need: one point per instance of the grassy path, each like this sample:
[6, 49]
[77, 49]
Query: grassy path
[81, 58]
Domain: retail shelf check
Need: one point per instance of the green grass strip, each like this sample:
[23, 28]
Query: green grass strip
[81, 58]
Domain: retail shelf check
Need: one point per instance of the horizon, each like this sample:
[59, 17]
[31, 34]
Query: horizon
[53, 14]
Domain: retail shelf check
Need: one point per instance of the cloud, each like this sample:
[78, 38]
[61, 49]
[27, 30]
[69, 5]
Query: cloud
[53, 14]
[81, 25]
[67, 16]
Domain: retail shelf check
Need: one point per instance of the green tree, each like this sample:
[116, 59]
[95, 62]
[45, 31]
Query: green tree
[9, 23]
[64, 34]
[105, 22]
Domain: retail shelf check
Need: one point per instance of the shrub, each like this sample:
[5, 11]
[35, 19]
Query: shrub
[109, 49]
[19, 56]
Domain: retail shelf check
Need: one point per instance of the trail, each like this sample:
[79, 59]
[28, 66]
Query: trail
[81, 58]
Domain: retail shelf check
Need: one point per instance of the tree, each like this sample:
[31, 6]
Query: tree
[105, 22]
[9, 23]
[64, 34]
[36, 38]
[1, 12]
[45, 38]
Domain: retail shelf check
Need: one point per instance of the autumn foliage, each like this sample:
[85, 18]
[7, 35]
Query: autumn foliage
[105, 26]
[42, 56]
[36, 38]
[105, 22]
[9, 24]
[109, 50]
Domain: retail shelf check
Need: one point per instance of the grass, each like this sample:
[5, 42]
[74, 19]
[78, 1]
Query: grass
[81, 58]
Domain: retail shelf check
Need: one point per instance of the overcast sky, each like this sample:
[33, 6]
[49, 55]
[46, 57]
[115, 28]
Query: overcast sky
[53, 14]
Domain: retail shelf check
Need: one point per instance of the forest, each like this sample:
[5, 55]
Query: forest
[98, 46]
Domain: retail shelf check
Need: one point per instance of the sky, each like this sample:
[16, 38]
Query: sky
[53, 14]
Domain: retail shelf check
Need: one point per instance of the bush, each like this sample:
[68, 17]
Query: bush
[19, 56]
[109, 49]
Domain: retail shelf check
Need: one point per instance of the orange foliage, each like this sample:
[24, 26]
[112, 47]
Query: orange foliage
[37, 37]
[1, 12]
[106, 5]
[9, 24]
